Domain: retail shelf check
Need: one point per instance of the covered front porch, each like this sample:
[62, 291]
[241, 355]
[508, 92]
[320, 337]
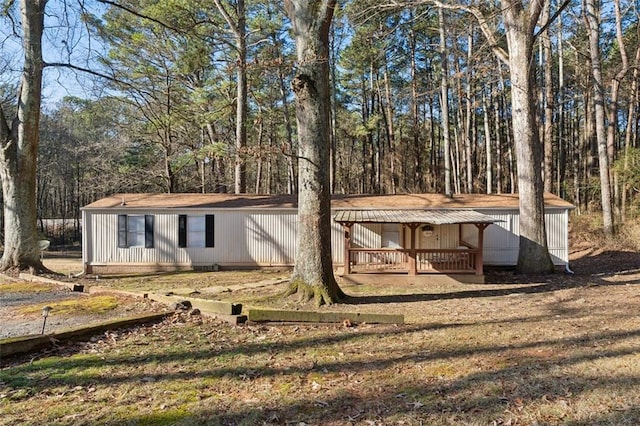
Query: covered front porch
[455, 256]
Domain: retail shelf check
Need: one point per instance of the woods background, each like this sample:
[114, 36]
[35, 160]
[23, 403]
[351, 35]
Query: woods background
[193, 96]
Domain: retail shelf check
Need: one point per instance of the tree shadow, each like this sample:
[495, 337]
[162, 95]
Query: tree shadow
[426, 397]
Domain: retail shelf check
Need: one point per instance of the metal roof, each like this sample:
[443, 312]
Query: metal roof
[433, 217]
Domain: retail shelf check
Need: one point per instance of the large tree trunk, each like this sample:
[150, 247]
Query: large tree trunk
[593, 29]
[18, 156]
[533, 255]
[520, 19]
[313, 272]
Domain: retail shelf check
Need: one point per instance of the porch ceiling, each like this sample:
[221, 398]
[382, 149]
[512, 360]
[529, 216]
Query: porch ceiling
[433, 217]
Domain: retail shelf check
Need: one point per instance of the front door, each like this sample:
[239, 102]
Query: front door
[429, 237]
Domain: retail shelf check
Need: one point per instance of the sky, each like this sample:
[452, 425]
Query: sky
[65, 40]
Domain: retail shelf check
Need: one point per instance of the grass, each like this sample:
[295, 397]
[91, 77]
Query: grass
[567, 353]
[25, 287]
[91, 305]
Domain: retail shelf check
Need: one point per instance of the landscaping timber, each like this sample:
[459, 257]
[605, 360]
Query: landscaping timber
[70, 286]
[27, 344]
[213, 306]
[231, 319]
[260, 315]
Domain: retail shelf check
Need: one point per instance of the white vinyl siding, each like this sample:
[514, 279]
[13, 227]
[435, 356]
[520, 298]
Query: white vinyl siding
[267, 237]
[502, 239]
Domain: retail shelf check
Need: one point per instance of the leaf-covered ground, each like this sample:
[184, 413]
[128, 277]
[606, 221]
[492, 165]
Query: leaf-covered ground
[558, 349]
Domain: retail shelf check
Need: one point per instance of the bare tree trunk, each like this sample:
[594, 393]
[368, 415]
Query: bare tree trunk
[292, 187]
[468, 112]
[548, 100]
[260, 158]
[533, 255]
[313, 273]
[487, 143]
[444, 103]
[612, 122]
[238, 29]
[587, 142]
[592, 14]
[417, 184]
[391, 134]
[633, 99]
[497, 123]
[241, 101]
[334, 113]
[562, 143]
[19, 142]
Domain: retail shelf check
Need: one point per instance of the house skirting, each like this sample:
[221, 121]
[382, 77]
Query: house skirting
[142, 268]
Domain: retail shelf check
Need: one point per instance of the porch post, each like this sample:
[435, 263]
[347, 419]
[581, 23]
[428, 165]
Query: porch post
[413, 266]
[479, 260]
[347, 248]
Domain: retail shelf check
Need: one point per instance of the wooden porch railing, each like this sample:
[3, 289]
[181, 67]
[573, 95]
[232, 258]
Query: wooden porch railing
[378, 260]
[446, 260]
[366, 260]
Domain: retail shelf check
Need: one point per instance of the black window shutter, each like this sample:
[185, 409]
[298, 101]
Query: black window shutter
[148, 231]
[122, 230]
[182, 230]
[209, 233]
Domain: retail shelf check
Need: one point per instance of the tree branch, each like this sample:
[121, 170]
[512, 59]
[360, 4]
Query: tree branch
[94, 73]
[227, 17]
[5, 131]
[483, 22]
[553, 17]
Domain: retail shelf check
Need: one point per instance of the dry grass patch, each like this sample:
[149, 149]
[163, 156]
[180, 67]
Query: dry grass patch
[25, 287]
[189, 279]
[90, 305]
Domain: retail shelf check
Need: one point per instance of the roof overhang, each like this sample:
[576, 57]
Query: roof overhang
[433, 217]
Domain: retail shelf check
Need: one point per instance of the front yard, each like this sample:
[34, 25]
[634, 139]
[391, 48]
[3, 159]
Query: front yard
[560, 349]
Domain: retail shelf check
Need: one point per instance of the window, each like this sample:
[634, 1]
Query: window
[135, 231]
[390, 235]
[195, 231]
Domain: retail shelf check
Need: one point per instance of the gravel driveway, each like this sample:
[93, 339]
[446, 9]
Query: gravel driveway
[13, 324]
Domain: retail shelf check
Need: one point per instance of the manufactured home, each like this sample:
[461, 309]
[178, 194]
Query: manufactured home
[412, 234]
